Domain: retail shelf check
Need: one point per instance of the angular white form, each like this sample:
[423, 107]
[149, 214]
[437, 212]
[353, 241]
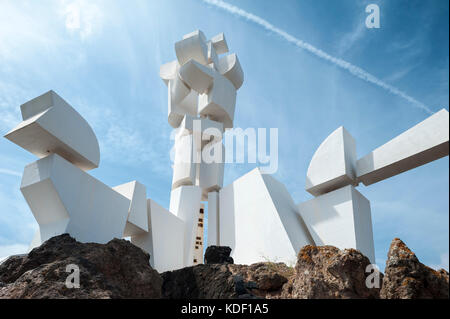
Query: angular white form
[230, 67]
[182, 101]
[197, 76]
[203, 130]
[213, 59]
[169, 71]
[193, 46]
[220, 43]
[51, 125]
[210, 175]
[213, 219]
[65, 199]
[137, 221]
[340, 218]
[165, 240]
[333, 164]
[259, 220]
[219, 103]
[421, 144]
[184, 168]
[185, 204]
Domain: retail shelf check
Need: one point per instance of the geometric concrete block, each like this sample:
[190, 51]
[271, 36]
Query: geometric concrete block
[50, 125]
[185, 204]
[169, 71]
[213, 219]
[220, 101]
[220, 43]
[203, 129]
[197, 76]
[259, 220]
[192, 47]
[164, 241]
[340, 218]
[65, 199]
[137, 221]
[212, 55]
[230, 67]
[184, 168]
[421, 144]
[210, 175]
[333, 164]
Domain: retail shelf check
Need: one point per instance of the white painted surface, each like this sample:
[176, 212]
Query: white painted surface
[220, 43]
[65, 199]
[421, 144]
[341, 218]
[51, 125]
[193, 46]
[165, 240]
[137, 220]
[220, 101]
[213, 219]
[185, 204]
[259, 221]
[230, 67]
[333, 164]
[197, 76]
[184, 168]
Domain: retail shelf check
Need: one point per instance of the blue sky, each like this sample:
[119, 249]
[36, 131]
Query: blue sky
[103, 57]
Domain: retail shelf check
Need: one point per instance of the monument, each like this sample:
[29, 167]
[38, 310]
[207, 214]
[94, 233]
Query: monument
[254, 215]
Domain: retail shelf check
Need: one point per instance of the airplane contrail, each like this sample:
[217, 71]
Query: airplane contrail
[353, 69]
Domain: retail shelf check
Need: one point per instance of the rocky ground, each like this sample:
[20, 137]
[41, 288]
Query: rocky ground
[119, 269]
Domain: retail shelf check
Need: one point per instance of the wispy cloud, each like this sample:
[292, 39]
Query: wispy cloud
[10, 172]
[352, 69]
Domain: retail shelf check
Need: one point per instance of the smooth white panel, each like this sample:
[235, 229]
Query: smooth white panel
[193, 46]
[220, 43]
[137, 220]
[55, 189]
[341, 218]
[185, 204]
[254, 218]
[333, 164]
[184, 168]
[230, 67]
[50, 126]
[219, 103]
[164, 242]
[213, 219]
[421, 144]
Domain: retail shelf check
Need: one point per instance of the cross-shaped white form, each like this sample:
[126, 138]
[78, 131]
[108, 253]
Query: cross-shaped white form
[339, 215]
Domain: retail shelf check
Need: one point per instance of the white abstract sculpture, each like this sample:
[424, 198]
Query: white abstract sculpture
[255, 215]
[202, 97]
[65, 199]
[256, 211]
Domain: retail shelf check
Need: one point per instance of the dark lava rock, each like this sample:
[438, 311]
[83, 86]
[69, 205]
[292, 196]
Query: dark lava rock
[200, 282]
[117, 269]
[218, 255]
[407, 278]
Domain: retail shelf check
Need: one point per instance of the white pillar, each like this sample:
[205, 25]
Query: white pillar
[213, 219]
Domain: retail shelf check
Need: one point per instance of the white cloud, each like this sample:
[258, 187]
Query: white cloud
[352, 69]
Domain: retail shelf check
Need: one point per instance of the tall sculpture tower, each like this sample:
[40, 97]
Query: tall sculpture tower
[202, 89]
